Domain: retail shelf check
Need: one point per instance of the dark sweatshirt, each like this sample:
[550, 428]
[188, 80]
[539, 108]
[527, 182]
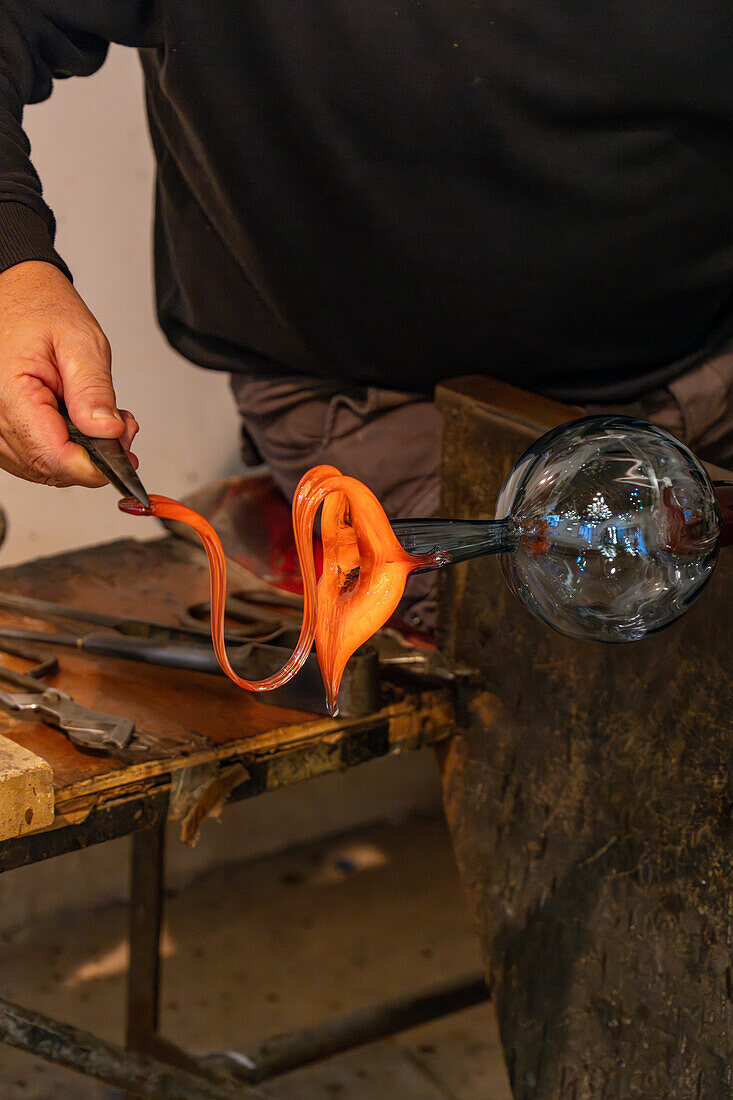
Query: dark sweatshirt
[394, 193]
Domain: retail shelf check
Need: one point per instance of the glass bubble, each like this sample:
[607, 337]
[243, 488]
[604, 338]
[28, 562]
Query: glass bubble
[616, 528]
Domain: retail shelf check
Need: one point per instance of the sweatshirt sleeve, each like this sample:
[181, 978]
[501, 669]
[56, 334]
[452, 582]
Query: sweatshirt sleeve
[39, 42]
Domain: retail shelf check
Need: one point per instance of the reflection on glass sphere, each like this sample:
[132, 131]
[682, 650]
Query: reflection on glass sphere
[616, 525]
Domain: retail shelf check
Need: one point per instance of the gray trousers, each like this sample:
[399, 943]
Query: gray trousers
[392, 441]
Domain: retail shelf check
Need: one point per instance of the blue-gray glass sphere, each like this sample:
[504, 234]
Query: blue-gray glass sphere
[616, 528]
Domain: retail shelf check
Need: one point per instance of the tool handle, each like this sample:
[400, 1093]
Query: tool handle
[110, 458]
[189, 656]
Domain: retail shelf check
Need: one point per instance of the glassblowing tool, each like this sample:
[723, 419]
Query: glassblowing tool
[189, 648]
[110, 458]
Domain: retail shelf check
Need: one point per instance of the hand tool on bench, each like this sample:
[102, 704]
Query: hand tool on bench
[110, 458]
[190, 648]
[87, 728]
[263, 654]
[145, 641]
[392, 652]
[261, 624]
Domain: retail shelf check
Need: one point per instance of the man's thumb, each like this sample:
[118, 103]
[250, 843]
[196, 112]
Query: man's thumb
[85, 369]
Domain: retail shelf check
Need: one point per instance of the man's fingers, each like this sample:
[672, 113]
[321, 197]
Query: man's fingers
[56, 459]
[131, 429]
[78, 469]
[37, 447]
[84, 363]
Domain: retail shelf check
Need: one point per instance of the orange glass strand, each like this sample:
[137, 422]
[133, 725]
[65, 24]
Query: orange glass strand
[165, 508]
[364, 573]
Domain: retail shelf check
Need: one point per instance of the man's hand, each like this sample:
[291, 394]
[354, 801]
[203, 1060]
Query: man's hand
[51, 347]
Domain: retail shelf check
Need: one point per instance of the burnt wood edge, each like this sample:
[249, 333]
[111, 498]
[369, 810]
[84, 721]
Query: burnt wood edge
[410, 719]
[148, 806]
[116, 819]
[531, 410]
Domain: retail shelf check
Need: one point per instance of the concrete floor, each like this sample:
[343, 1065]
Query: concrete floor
[255, 948]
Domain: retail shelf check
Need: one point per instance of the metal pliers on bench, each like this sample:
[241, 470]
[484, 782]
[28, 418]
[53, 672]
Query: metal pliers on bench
[87, 728]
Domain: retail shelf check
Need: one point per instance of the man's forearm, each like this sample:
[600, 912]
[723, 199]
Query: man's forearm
[38, 43]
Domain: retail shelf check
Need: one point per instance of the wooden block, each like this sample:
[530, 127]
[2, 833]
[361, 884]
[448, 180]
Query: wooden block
[589, 797]
[26, 791]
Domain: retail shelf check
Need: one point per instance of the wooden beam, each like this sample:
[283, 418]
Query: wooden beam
[26, 791]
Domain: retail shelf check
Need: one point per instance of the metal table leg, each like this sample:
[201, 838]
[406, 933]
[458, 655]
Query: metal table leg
[146, 915]
[87, 1054]
[154, 1067]
[278, 1054]
[147, 877]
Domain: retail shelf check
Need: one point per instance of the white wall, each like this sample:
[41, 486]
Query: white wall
[91, 149]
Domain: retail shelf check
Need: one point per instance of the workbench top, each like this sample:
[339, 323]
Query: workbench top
[195, 719]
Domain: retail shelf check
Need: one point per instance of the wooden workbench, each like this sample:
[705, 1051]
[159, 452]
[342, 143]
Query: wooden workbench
[194, 718]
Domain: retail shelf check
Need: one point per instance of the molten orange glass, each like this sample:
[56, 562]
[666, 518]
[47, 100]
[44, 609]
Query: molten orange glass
[364, 573]
[365, 568]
